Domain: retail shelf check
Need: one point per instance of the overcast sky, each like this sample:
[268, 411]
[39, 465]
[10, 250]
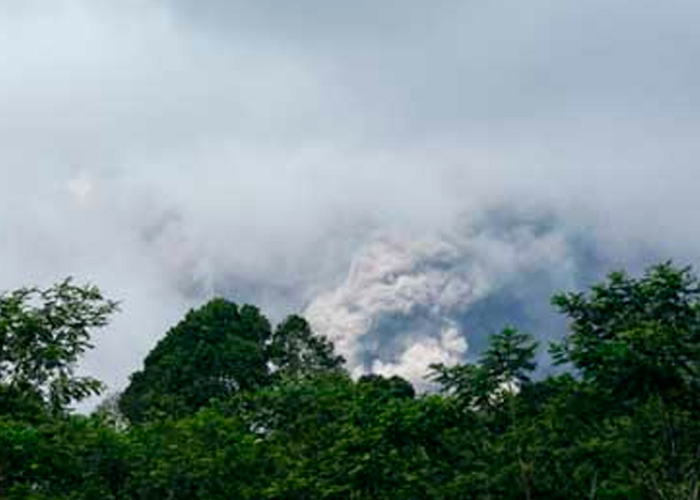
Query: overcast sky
[306, 155]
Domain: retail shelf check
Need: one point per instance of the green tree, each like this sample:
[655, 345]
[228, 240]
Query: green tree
[503, 367]
[635, 342]
[637, 337]
[42, 335]
[216, 351]
[295, 350]
[382, 388]
[45, 452]
[509, 357]
[206, 456]
[73, 457]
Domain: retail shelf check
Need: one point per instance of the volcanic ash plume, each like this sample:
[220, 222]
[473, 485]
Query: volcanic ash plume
[406, 304]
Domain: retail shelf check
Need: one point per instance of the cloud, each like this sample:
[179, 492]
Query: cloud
[409, 303]
[414, 362]
[170, 150]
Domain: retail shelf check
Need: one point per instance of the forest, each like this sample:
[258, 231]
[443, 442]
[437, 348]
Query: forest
[228, 406]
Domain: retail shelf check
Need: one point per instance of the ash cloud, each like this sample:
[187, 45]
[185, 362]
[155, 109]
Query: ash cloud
[170, 150]
[409, 303]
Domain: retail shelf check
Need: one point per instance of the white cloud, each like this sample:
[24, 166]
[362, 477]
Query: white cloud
[414, 362]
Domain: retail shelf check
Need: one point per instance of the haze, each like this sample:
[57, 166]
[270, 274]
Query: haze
[408, 174]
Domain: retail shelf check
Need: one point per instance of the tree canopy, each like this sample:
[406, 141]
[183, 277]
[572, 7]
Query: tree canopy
[228, 407]
[213, 352]
[217, 351]
[43, 333]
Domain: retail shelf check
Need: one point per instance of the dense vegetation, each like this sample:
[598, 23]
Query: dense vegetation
[226, 407]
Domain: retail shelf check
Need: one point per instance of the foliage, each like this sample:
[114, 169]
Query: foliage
[295, 350]
[225, 408]
[637, 337]
[217, 351]
[42, 335]
[214, 352]
[503, 367]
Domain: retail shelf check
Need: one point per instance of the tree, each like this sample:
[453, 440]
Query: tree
[635, 343]
[295, 350]
[509, 357]
[206, 456]
[636, 337]
[382, 388]
[42, 335]
[504, 366]
[219, 350]
[214, 352]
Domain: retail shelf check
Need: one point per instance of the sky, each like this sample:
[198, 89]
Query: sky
[409, 175]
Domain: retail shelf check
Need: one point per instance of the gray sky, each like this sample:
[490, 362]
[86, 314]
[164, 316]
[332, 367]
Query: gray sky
[171, 150]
